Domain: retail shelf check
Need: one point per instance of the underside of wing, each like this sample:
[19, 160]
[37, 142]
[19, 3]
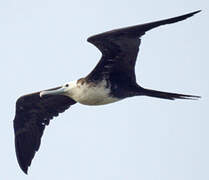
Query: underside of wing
[120, 48]
[33, 113]
[118, 59]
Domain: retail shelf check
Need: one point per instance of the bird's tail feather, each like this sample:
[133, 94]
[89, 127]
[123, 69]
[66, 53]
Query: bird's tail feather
[167, 95]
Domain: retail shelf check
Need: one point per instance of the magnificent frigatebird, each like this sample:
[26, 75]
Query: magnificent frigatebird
[112, 79]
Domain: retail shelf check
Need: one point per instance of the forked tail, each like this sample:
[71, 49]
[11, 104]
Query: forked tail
[167, 95]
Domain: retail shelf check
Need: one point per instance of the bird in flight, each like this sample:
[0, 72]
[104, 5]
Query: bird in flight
[112, 79]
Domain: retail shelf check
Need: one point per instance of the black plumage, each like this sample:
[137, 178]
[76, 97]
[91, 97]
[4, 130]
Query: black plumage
[33, 113]
[117, 66]
[119, 53]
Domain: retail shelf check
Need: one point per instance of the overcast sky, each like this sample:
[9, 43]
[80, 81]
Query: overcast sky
[43, 45]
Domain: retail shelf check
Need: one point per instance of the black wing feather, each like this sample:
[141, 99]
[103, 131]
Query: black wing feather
[120, 48]
[33, 113]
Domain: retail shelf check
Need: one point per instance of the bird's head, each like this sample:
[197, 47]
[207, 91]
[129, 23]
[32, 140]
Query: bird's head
[62, 90]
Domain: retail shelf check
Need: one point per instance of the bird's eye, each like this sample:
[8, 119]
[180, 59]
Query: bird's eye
[66, 85]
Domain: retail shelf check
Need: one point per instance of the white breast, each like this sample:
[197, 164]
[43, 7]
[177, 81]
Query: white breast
[89, 94]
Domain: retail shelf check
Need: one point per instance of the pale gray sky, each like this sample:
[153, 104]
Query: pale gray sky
[43, 45]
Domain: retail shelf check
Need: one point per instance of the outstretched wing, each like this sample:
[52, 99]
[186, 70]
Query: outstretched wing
[33, 113]
[120, 48]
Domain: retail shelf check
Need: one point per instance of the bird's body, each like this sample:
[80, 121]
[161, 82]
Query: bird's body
[112, 79]
[91, 93]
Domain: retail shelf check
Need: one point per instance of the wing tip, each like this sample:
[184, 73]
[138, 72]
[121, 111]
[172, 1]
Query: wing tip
[25, 170]
[91, 39]
[193, 13]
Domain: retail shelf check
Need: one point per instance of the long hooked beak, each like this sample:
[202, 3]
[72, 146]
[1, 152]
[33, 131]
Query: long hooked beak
[59, 91]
